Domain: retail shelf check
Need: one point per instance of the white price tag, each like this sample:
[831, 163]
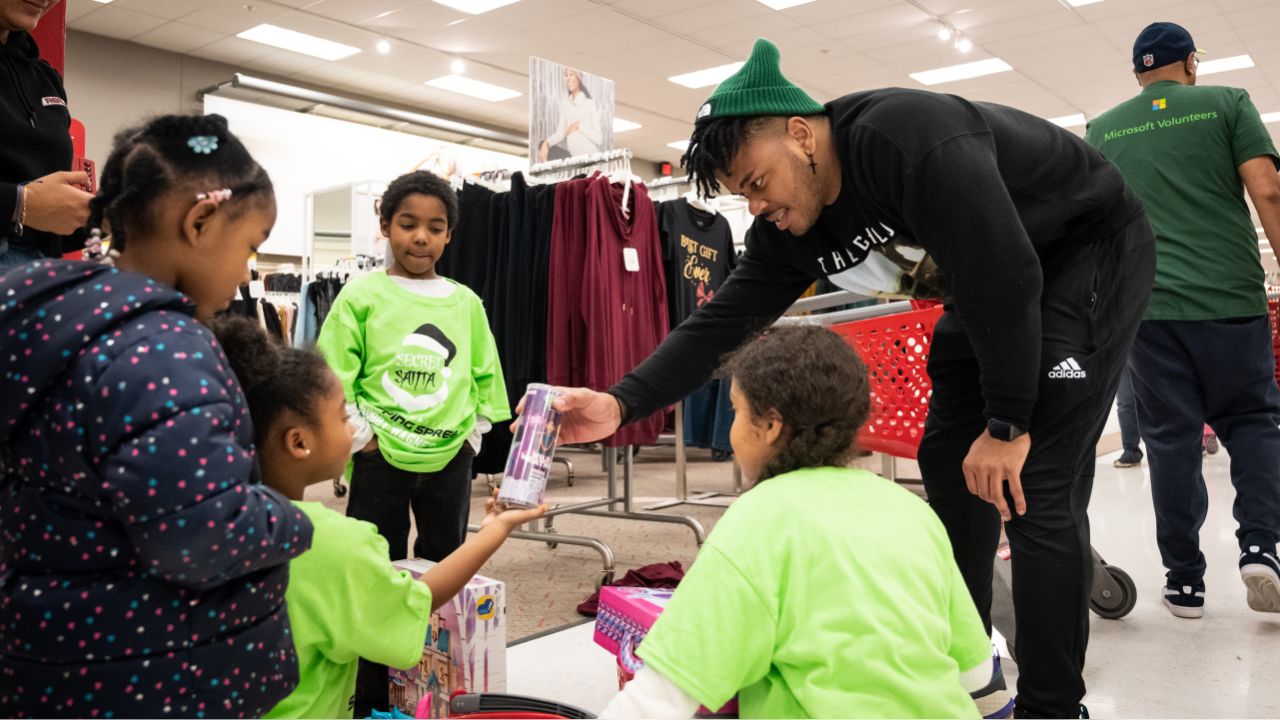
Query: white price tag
[631, 259]
[257, 289]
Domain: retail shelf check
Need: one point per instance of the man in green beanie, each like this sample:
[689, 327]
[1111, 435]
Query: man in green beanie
[1044, 258]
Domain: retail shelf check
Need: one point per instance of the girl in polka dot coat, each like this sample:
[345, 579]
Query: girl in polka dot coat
[142, 565]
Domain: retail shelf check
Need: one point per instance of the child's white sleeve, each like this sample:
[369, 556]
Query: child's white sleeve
[650, 695]
[361, 432]
[975, 679]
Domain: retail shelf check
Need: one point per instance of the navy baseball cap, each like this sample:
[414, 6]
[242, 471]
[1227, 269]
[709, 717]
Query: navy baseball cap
[1160, 44]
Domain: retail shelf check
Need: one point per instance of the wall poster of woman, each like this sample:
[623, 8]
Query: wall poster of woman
[570, 112]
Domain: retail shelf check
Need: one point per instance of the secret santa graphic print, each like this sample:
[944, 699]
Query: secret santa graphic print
[418, 379]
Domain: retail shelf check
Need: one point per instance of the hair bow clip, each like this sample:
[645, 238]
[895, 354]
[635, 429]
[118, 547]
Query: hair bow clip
[217, 196]
[203, 144]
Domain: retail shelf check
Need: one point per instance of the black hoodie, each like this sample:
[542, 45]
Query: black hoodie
[142, 571]
[35, 132]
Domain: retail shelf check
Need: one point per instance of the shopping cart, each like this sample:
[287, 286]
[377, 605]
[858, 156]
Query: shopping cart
[895, 348]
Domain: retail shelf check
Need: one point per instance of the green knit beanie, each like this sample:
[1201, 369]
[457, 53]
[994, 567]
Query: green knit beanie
[759, 88]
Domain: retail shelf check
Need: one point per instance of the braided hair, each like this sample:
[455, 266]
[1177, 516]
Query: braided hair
[170, 152]
[815, 381]
[275, 377]
[715, 143]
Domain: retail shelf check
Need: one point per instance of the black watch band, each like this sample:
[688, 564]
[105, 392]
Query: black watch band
[1002, 430]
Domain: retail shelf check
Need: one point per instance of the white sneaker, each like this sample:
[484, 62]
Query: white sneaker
[1260, 571]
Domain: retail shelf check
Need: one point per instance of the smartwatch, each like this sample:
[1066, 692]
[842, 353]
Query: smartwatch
[1006, 431]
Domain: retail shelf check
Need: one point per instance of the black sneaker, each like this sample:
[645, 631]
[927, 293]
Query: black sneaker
[1184, 601]
[1260, 571]
[1129, 459]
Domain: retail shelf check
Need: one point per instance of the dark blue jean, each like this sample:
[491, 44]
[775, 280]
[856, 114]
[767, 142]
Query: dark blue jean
[12, 255]
[1221, 372]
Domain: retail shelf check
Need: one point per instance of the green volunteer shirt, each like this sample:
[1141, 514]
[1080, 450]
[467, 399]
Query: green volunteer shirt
[1180, 148]
[825, 592]
[346, 601]
[419, 369]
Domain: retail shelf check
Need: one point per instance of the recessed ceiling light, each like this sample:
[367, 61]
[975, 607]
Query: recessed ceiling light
[703, 78]
[457, 67]
[104, 2]
[620, 125]
[475, 7]
[1069, 120]
[384, 46]
[681, 145]
[964, 44]
[1078, 3]
[298, 42]
[962, 72]
[784, 4]
[944, 34]
[474, 88]
[1226, 64]
[1271, 117]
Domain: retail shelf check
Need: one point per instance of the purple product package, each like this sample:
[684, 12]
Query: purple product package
[525, 480]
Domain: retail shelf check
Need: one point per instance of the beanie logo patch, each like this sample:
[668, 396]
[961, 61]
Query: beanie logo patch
[704, 111]
[1148, 60]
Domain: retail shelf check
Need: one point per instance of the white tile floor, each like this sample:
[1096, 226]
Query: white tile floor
[1147, 665]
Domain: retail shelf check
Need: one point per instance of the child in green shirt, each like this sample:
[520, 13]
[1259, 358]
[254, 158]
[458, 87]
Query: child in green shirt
[345, 599]
[824, 591]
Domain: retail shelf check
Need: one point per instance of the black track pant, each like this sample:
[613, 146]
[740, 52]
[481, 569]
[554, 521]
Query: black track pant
[1093, 301]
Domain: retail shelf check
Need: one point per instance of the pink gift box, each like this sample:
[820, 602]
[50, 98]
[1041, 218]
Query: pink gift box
[624, 618]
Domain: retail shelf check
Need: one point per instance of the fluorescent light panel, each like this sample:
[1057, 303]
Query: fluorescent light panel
[1271, 117]
[680, 145]
[1226, 64]
[1078, 3]
[784, 4]
[473, 88]
[476, 7]
[620, 125]
[962, 72]
[1069, 120]
[104, 2]
[294, 41]
[709, 76]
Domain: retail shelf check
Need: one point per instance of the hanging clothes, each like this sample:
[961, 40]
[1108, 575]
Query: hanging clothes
[698, 249]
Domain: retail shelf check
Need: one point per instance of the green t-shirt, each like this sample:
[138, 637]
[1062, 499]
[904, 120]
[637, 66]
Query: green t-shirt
[1180, 148]
[420, 369]
[825, 592]
[346, 601]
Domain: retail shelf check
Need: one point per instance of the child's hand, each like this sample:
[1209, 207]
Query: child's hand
[509, 518]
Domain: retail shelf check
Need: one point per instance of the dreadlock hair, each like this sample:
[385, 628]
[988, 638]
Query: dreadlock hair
[275, 377]
[716, 141]
[815, 381]
[172, 152]
[419, 182]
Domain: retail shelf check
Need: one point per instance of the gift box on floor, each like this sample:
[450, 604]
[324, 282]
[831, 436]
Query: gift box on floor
[465, 648]
[625, 616]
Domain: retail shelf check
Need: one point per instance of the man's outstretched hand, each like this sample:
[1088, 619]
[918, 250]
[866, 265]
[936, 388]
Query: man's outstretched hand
[588, 415]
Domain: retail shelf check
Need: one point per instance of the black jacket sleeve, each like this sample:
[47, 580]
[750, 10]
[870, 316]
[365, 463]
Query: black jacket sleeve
[757, 293]
[957, 205]
[8, 203]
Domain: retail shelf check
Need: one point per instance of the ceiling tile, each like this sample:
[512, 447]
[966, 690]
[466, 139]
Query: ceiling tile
[117, 23]
[889, 20]
[77, 9]
[416, 19]
[168, 9]
[232, 17]
[178, 37]
[700, 16]
[358, 11]
[234, 51]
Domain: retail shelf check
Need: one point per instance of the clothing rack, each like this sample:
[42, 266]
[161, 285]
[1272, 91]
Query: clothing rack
[608, 162]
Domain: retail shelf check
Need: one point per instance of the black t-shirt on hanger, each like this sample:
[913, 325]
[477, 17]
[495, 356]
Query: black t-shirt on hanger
[698, 249]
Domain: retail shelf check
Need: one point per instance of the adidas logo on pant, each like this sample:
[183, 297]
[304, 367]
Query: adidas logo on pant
[1068, 369]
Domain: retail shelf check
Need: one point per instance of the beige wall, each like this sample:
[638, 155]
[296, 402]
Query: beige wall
[114, 84]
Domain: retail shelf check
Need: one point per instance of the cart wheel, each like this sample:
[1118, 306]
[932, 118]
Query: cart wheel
[604, 579]
[1114, 605]
[339, 490]
[551, 543]
[1211, 444]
